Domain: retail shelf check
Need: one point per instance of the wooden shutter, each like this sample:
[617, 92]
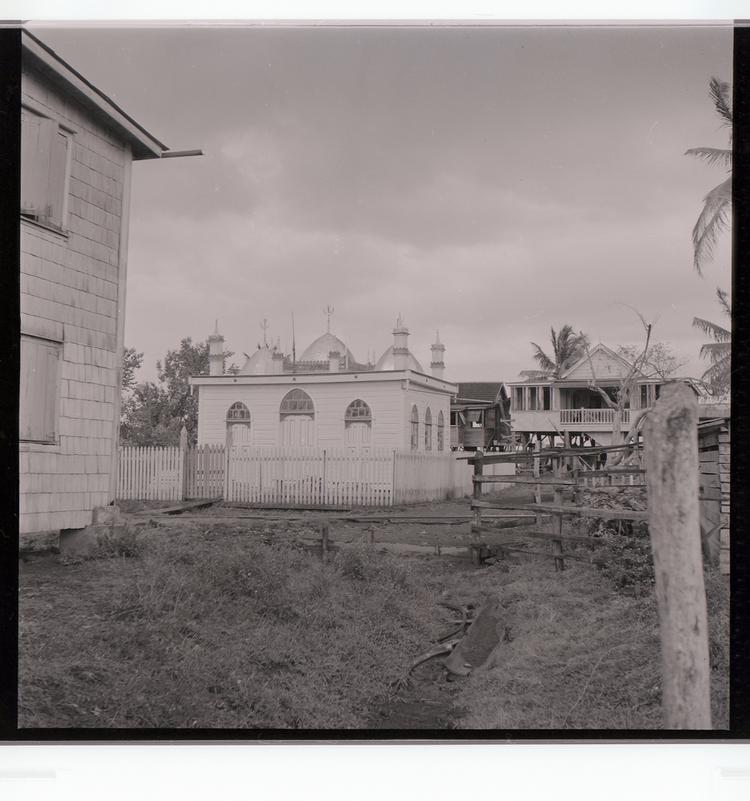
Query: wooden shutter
[58, 169]
[36, 148]
[40, 362]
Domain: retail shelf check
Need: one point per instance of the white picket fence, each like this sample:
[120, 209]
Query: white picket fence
[150, 474]
[295, 476]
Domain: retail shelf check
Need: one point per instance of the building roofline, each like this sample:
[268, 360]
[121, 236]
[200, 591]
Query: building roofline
[144, 144]
[420, 379]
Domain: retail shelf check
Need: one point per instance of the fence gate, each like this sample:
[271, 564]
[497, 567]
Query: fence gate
[204, 472]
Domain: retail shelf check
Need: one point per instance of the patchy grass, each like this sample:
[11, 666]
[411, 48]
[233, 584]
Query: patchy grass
[582, 656]
[225, 625]
[216, 629]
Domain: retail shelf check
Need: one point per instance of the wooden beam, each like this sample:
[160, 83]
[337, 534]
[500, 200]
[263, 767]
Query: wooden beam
[552, 481]
[557, 509]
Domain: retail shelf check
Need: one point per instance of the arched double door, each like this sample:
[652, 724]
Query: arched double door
[358, 428]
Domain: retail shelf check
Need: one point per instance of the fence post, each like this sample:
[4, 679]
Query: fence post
[557, 520]
[227, 461]
[183, 463]
[476, 526]
[671, 460]
[393, 480]
[538, 488]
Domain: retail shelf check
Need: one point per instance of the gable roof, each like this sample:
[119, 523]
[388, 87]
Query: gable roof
[484, 391]
[600, 350]
[39, 55]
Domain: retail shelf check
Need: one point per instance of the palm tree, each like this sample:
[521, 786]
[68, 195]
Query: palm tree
[718, 352]
[713, 218]
[567, 347]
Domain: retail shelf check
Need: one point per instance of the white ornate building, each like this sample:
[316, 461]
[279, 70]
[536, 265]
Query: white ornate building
[326, 398]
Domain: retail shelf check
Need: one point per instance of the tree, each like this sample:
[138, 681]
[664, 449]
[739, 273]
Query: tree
[131, 361]
[621, 399]
[154, 413]
[659, 362]
[567, 348]
[718, 352]
[716, 204]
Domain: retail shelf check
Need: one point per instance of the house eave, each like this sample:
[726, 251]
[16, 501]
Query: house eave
[38, 55]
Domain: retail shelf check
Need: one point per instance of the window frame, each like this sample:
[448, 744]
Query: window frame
[308, 410]
[244, 419]
[441, 431]
[350, 418]
[414, 422]
[428, 429]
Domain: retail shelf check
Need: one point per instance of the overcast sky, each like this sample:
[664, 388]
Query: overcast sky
[488, 183]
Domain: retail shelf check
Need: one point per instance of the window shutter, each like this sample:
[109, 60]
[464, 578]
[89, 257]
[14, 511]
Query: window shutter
[40, 364]
[57, 171]
[37, 134]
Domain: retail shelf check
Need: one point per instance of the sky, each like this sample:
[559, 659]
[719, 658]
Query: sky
[484, 182]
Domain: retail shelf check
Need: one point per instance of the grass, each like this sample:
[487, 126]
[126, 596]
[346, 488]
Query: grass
[582, 656]
[215, 625]
[215, 629]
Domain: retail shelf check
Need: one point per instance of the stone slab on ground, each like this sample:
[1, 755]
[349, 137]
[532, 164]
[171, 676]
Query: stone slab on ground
[483, 636]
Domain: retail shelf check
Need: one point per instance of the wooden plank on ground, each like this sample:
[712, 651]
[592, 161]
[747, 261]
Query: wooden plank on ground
[524, 480]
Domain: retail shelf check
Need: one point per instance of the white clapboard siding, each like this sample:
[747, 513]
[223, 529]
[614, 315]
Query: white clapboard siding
[150, 474]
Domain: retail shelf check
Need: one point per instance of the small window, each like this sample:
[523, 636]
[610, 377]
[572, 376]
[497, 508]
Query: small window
[358, 412]
[532, 399]
[297, 402]
[45, 169]
[546, 399]
[657, 390]
[428, 430]
[238, 413]
[414, 428]
[518, 399]
[644, 396]
[38, 405]
[441, 432]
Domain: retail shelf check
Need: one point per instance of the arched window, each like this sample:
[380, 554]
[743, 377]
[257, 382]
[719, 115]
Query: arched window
[414, 428]
[238, 424]
[357, 412]
[296, 402]
[238, 413]
[428, 430]
[441, 432]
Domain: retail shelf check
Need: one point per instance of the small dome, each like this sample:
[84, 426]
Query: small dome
[319, 350]
[388, 362]
[260, 363]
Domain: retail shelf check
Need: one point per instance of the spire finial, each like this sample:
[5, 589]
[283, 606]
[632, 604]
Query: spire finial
[328, 311]
[264, 327]
[216, 326]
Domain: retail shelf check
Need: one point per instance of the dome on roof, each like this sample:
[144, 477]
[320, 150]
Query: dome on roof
[260, 363]
[388, 362]
[326, 343]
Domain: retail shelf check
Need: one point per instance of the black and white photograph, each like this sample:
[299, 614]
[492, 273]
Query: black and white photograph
[375, 377]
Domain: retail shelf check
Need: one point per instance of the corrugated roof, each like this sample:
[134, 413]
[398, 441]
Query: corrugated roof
[486, 391]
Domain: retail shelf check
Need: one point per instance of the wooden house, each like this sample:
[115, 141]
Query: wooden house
[77, 149]
[714, 458]
[546, 406]
[480, 416]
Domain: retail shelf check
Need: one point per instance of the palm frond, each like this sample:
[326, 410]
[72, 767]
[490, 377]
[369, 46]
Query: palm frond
[723, 297]
[715, 350]
[712, 220]
[717, 332]
[718, 374]
[719, 91]
[712, 155]
[542, 359]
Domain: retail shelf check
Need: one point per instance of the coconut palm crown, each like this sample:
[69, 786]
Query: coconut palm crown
[713, 218]
[567, 348]
[719, 351]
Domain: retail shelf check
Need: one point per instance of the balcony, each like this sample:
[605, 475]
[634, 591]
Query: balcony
[570, 419]
[591, 417]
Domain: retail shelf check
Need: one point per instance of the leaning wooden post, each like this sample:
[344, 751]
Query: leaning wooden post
[671, 460]
[557, 520]
[324, 542]
[183, 463]
[476, 526]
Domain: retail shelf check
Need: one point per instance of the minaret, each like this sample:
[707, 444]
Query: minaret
[437, 365]
[400, 345]
[216, 352]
